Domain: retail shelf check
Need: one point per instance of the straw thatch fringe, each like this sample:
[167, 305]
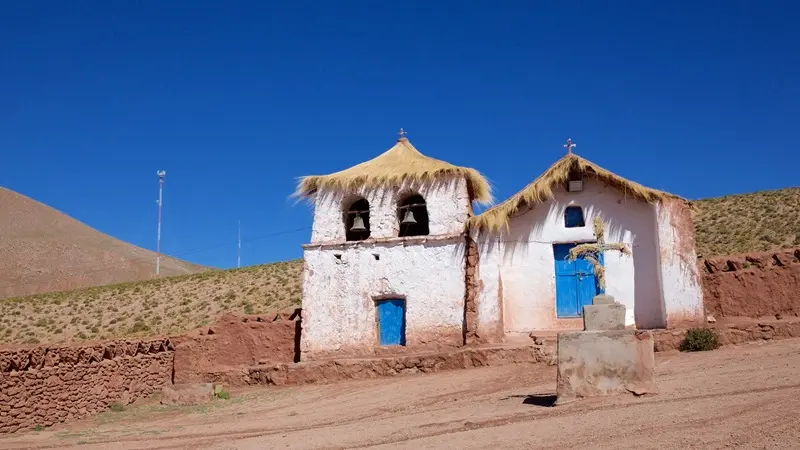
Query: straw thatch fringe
[541, 189]
[400, 163]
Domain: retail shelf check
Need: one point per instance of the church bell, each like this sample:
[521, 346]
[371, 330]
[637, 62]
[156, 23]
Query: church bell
[358, 224]
[408, 219]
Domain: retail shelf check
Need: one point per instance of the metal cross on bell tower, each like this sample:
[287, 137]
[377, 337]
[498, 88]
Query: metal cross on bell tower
[569, 145]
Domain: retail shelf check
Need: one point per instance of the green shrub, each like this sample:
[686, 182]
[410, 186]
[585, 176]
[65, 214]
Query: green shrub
[223, 395]
[138, 326]
[700, 340]
[248, 308]
[116, 407]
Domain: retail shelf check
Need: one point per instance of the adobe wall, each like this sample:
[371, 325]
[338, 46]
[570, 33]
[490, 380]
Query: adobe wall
[237, 341]
[447, 200]
[753, 284]
[342, 281]
[471, 335]
[517, 266]
[342, 284]
[44, 385]
[681, 284]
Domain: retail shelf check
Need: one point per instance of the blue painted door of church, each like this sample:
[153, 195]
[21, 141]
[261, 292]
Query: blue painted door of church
[392, 322]
[576, 284]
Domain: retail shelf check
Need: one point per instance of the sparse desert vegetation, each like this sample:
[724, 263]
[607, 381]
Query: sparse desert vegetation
[759, 221]
[154, 307]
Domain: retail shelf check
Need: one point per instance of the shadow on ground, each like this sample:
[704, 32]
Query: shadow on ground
[543, 400]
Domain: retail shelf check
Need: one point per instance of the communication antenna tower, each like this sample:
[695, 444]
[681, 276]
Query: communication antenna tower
[161, 175]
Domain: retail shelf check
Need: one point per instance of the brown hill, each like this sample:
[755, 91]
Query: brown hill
[758, 221]
[754, 222]
[43, 250]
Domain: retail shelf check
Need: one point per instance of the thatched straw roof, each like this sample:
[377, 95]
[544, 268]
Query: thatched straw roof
[400, 163]
[541, 189]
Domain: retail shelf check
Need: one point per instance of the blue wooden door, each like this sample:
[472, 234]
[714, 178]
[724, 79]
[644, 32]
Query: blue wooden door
[576, 284]
[392, 322]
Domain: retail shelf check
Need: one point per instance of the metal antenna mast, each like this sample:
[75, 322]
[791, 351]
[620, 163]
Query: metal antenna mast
[239, 254]
[161, 174]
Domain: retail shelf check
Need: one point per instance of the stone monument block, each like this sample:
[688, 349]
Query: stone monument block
[593, 363]
[603, 299]
[600, 317]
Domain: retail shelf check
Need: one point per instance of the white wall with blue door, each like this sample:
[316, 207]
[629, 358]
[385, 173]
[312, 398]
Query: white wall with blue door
[345, 283]
[518, 267]
[344, 288]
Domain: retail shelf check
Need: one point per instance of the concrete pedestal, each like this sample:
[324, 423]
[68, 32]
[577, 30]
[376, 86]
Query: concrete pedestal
[592, 363]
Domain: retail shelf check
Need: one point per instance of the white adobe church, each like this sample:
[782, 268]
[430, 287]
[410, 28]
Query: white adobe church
[398, 260]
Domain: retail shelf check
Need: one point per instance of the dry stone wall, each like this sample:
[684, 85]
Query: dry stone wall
[45, 385]
[471, 294]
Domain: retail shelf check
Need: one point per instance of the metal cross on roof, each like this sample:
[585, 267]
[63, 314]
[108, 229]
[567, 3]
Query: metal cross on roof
[402, 133]
[569, 145]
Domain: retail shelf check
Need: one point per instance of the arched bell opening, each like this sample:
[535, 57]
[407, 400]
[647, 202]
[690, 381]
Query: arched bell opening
[356, 220]
[412, 213]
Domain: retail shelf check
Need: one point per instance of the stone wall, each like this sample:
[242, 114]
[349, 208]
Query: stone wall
[732, 334]
[44, 385]
[237, 341]
[471, 293]
[753, 284]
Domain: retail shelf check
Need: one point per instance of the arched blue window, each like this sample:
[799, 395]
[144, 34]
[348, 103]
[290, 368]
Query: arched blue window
[573, 217]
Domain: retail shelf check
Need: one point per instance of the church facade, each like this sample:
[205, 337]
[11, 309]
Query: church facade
[398, 261]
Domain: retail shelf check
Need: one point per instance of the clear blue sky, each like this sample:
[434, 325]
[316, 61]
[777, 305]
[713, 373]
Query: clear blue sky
[237, 99]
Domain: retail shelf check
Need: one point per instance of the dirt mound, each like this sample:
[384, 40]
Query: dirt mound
[44, 250]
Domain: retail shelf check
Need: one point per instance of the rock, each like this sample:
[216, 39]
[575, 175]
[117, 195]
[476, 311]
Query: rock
[711, 319]
[608, 316]
[603, 299]
[187, 394]
[594, 363]
[536, 339]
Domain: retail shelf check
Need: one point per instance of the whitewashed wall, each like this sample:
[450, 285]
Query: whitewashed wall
[517, 273]
[447, 201]
[339, 313]
[681, 283]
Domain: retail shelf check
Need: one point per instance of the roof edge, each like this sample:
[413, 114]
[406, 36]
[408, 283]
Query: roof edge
[540, 190]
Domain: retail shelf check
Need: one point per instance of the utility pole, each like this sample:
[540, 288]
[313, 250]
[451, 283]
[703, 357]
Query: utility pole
[239, 254]
[161, 174]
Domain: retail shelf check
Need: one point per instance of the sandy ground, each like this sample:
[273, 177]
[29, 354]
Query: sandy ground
[744, 397]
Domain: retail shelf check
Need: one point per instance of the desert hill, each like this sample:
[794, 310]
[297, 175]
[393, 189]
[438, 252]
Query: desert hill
[43, 250]
[760, 221]
[162, 306]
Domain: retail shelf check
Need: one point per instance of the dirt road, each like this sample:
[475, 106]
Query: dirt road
[745, 397]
